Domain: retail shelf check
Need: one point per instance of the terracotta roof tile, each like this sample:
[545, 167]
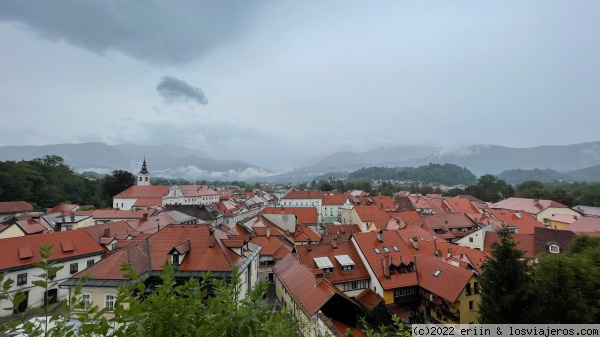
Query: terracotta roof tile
[533, 206]
[525, 222]
[15, 207]
[524, 242]
[369, 299]
[585, 224]
[374, 215]
[76, 242]
[441, 278]
[334, 200]
[295, 194]
[359, 271]
[461, 205]
[305, 215]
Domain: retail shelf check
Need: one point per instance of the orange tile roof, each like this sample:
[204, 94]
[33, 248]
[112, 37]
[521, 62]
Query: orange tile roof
[385, 202]
[305, 233]
[272, 246]
[449, 282]
[369, 299]
[153, 224]
[80, 242]
[120, 214]
[119, 230]
[461, 205]
[295, 194]
[334, 200]
[62, 208]
[32, 226]
[524, 221]
[136, 255]
[137, 192]
[15, 207]
[359, 272]
[200, 257]
[525, 243]
[473, 256]
[197, 190]
[565, 218]
[367, 242]
[446, 222]
[408, 216]
[533, 206]
[301, 284]
[373, 214]
[148, 202]
[304, 215]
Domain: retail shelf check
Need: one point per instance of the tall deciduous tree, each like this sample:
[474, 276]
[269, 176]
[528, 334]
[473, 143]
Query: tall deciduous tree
[114, 184]
[506, 285]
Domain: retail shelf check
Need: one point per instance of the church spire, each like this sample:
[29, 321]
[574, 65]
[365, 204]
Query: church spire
[144, 175]
[144, 167]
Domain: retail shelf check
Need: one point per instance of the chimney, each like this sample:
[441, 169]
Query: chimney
[268, 231]
[308, 247]
[449, 252]
[334, 242]
[318, 276]
[438, 253]
[518, 214]
[106, 232]
[415, 242]
[380, 235]
[536, 201]
[211, 238]
[145, 216]
[385, 261]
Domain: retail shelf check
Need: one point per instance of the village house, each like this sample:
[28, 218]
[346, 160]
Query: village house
[14, 208]
[331, 210]
[24, 224]
[190, 195]
[73, 250]
[191, 249]
[543, 210]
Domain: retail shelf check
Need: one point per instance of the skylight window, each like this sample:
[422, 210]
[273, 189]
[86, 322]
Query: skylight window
[386, 249]
[377, 251]
[395, 249]
[437, 272]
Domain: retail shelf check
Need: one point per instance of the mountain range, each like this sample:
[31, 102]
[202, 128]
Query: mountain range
[180, 162]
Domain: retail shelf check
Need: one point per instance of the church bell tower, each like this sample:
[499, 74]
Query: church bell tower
[144, 175]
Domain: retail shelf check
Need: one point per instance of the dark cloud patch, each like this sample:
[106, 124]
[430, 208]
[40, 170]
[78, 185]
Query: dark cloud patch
[162, 32]
[174, 89]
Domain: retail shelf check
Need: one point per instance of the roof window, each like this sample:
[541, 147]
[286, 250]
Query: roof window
[377, 250]
[395, 248]
[437, 273]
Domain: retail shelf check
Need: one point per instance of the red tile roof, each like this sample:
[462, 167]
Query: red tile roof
[295, 194]
[65, 245]
[305, 215]
[120, 214]
[301, 284]
[408, 216]
[565, 218]
[62, 208]
[136, 255]
[137, 192]
[525, 222]
[334, 200]
[385, 202]
[359, 272]
[447, 222]
[533, 206]
[369, 299]
[461, 205]
[197, 190]
[272, 246]
[32, 226]
[367, 242]
[305, 233]
[152, 224]
[585, 224]
[15, 207]
[119, 230]
[525, 243]
[373, 214]
[449, 282]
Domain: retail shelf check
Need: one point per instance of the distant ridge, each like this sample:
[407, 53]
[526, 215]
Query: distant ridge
[163, 161]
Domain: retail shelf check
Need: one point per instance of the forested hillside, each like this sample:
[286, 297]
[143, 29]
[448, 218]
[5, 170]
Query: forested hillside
[446, 174]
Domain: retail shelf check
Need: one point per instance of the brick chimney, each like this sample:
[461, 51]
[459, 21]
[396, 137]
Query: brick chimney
[106, 232]
[380, 235]
[334, 241]
[318, 276]
[145, 216]
[449, 252]
[211, 238]
[268, 231]
[308, 247]
[385, 261]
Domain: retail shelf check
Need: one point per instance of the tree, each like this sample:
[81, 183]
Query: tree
[567, 289]
[114, 184]
[506, 285]
[490, 188]
[326, 187]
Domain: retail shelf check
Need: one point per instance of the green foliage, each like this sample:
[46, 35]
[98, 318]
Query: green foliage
[46, 182]
[397, 329]
[115, 183]
[490, 188]
[206, 307]
[447, 174]
[506, 285]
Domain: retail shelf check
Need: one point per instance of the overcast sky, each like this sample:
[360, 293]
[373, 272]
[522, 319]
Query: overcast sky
[275, 83]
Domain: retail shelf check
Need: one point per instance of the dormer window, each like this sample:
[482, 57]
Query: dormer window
[554, 249]
[345, 262]
[175, 258]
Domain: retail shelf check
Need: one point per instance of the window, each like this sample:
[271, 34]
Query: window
[327, 270]
[146, 178]
[90, 263]
[74, 267]
[377, 251]
[140, 178]
[347, 268]
[109, 302]
[405, 291]
[69, 227]
[386, 249]
[554, 249]
[470, 239]
[476, 287]
[469, 292]
[471, 305]
[22, 279]
[395, 248]
[87, 299]
[175, 259]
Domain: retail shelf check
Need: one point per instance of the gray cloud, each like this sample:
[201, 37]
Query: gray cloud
[173, 89]
[154, 30]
